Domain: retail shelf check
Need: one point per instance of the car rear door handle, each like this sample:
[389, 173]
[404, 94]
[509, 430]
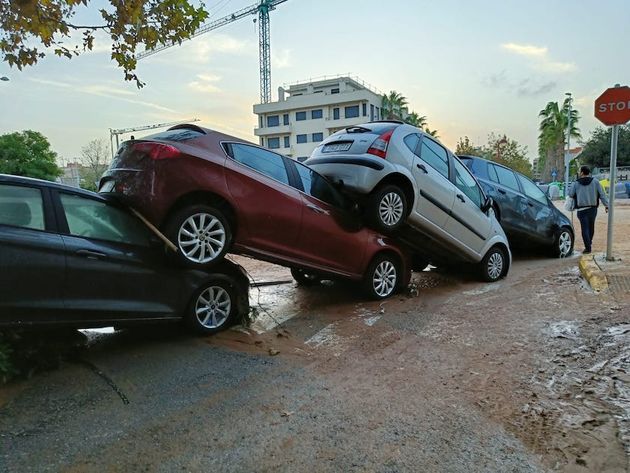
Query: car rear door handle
[422, 168]
[461, 197]
[530, 204]
[316, 209]
[501, 191]
[90, 254]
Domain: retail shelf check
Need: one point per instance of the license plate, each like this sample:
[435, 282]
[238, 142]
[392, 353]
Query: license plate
[336, 147]
[107, 187]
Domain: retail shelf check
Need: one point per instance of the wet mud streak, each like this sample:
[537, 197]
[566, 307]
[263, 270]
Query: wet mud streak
[96, 370]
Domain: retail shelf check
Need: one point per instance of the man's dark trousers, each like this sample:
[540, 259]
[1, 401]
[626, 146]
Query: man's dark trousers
[587, 222]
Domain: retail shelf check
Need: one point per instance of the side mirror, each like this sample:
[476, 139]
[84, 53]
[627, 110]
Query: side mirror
[487, 205]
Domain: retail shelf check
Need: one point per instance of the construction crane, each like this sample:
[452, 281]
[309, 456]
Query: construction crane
[264, 40]
[121, 131]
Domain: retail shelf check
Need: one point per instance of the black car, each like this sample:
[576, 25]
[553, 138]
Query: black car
[526, 214]
[73, 257]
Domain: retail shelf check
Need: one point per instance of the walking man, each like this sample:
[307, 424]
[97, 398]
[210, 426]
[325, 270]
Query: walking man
[587, 192]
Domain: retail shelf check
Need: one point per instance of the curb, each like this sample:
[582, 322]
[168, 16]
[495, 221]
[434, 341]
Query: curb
[592, 273]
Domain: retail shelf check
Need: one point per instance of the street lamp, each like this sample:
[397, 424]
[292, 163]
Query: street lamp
[500, 145]
[567, 156]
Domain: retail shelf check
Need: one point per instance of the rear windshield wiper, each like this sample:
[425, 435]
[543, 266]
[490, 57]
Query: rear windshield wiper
[358, 129]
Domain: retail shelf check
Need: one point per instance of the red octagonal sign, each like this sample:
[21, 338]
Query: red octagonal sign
[613, 106]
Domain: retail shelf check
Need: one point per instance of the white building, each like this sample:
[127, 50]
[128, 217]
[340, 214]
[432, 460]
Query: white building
[308, 112]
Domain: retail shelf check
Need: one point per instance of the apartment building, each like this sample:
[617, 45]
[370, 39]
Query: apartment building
[308, 112]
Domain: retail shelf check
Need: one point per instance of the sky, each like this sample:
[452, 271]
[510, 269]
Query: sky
[471, 67]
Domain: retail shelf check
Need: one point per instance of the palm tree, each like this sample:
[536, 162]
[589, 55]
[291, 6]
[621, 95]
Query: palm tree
[433, 133]
[553, 128]
[416, 120]
[392, 105]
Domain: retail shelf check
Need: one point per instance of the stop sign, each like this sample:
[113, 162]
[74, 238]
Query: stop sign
[613, 106]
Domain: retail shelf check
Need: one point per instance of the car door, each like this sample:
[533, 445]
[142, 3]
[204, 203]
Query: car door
[509, 199]
[113, 270]
[330, 236]
[436, 194]
[269, 208]
[537, 213]
[32, 259]
[467, 223]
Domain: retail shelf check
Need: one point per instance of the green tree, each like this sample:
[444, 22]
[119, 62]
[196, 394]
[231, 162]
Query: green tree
[508, 152]
[393, 105]
[466, 147]
[28, 153]
[596, 150]
[416, 120]
[552, 138]
[94, 158]
[433, 133]
[27, 25]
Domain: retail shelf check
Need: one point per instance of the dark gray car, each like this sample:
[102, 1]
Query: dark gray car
[527, 215]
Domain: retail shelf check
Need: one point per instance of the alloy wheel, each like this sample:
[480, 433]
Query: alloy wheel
[391, 208]
[384, 278]
[565, 243]
[213, 307]
[201, 238]
[495, 265]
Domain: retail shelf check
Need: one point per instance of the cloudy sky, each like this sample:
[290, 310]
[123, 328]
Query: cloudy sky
[472, 67]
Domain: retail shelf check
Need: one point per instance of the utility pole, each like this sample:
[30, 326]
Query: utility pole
[567, 156]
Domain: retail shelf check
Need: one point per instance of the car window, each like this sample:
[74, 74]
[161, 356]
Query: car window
[412, 142]
[506, 177]
[466, 183]
[318, 187]
[21, 207]
[434, 155]
[532, 190]
[94, 219]
[492, 173]
[261, 160]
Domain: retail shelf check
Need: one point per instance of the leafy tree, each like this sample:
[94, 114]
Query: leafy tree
[466, 147]
[596, 150]
[416, 120]
[94, 157]
[28, 154]
[433, 133]
[551, 141]
[508, 152]
[393, 105]
[28, 24]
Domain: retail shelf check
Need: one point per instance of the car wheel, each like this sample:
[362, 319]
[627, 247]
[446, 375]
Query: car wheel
[493, 266]
[213, 307]
[563, 244]
[387, 208]
[305, 278]
[202, 235]
[382, 277]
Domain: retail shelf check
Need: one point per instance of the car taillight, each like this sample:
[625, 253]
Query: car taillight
[379, 147]
[157, 150]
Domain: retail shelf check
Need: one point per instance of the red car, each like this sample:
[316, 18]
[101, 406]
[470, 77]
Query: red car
[211, 193]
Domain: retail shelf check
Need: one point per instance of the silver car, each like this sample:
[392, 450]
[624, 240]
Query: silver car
[402, 175]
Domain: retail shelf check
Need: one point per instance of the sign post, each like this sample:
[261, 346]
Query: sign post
[612, 108]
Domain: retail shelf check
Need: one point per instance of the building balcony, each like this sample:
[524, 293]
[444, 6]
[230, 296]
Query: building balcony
[273, 130]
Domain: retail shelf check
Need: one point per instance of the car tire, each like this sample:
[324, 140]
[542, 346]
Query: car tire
[382, 277]
[494, 265]
[305, 278]
[387, 208]
[202, 235]
[214, 306]
[563, 243]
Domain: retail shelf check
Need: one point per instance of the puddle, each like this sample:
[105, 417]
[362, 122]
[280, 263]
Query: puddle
[564, 329]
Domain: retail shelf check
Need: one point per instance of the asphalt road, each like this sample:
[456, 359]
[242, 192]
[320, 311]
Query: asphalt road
[527, 374]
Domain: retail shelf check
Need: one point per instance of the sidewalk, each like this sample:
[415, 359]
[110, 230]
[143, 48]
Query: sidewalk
[602, 275]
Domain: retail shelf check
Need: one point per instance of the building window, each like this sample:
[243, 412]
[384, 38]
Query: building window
[318, 113]
[261, 121]
[301, 139]
[273, 143]
[286, 142]
[371, 111]
[273, 120]
[334, 91]
[352, 112]
[335, 114]
[365, 110]
[299, 116]
[285, 119]
[317, 137]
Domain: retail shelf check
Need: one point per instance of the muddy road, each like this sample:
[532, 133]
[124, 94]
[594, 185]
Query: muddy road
[528, 374]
